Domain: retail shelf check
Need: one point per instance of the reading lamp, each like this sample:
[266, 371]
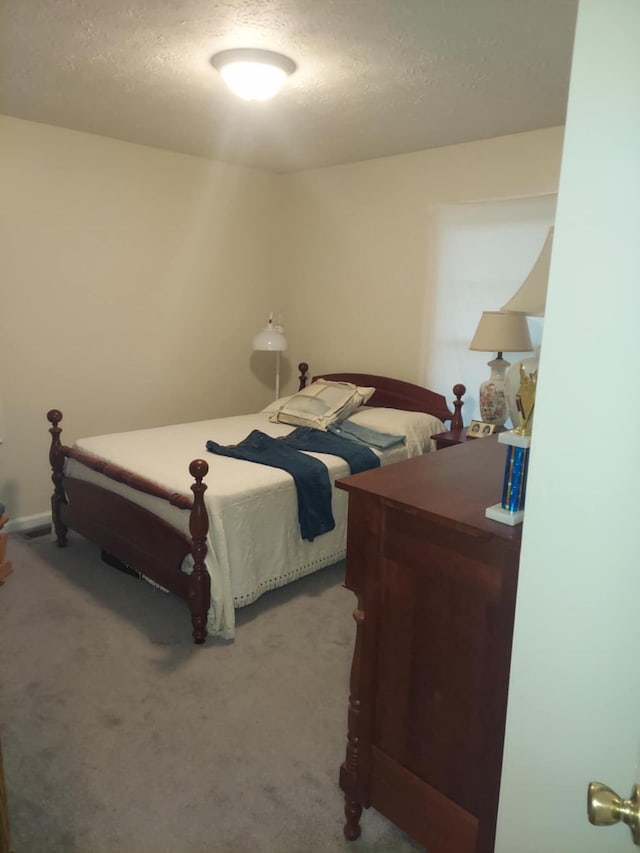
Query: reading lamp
[498, 332]
[529, 301]
[271, 339]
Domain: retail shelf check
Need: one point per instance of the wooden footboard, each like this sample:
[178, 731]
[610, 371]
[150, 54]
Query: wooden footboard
[132, 534]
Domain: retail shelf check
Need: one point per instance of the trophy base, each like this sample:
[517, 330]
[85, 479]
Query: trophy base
[514, 439]
[498, 513]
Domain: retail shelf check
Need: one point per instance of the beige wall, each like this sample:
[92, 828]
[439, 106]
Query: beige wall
[133, 279]
[358, 245]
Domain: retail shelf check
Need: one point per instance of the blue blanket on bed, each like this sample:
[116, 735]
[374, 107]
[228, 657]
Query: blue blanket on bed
[310, 475]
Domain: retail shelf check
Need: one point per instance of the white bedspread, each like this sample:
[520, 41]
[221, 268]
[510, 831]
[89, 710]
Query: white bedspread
[254, 541]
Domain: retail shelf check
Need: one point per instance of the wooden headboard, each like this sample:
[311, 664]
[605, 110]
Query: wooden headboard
[398, 394]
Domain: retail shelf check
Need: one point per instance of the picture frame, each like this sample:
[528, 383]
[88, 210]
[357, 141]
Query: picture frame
[480, 429]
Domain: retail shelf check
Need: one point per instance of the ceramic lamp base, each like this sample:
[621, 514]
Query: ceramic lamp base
[493, 403]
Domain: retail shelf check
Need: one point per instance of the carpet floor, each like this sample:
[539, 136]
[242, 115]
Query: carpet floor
[119, 734]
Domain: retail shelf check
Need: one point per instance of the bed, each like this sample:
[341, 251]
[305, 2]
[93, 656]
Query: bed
[221, 542]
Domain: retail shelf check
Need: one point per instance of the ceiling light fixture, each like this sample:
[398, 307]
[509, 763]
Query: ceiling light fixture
[253, 74]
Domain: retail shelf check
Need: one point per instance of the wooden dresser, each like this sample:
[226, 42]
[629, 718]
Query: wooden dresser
[435, 583]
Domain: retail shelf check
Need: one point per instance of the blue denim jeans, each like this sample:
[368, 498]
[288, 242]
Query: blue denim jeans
[311, 477]
[358, 457]
[364, 435]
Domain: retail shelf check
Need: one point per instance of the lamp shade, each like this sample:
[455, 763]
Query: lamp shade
[270, 339]
[500, 332]
[531, 296]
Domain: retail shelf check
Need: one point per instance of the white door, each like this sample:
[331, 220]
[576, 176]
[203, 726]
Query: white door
[574, 699]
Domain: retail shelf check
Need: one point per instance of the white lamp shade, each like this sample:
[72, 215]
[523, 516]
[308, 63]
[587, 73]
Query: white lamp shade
[253, 74]
[530, 297]
[500, 332]
[270, 339]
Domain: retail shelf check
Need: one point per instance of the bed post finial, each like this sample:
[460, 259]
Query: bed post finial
[199, 584]
[56, 460]
[459, 392]
[303, 367]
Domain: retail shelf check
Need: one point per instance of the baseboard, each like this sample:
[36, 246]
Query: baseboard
[28, 522]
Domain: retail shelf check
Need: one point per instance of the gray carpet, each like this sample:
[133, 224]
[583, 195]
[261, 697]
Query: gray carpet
[120, 735]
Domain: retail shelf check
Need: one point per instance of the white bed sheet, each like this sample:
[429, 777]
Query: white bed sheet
[254, 541]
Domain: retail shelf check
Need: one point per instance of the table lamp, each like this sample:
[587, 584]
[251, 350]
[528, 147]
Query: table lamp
[498, 332]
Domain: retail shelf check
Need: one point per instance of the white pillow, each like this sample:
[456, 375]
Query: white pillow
[417, 427]
[321, 403]
[277, 404]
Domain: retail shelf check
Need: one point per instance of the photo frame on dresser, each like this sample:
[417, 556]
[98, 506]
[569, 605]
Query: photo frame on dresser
[480, 429]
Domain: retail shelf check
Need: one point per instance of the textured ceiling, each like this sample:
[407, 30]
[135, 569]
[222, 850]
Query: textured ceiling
[374, 77]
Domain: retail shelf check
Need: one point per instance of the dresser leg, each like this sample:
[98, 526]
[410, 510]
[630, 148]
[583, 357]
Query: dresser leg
[352, 812]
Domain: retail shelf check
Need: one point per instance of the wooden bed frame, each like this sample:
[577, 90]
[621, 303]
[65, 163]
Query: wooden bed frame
[131, 535]
[397, 394]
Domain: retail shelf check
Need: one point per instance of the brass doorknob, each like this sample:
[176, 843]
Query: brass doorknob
[605, 808]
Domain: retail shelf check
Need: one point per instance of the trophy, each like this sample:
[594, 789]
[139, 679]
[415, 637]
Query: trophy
[518, 440]
[525, 400]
